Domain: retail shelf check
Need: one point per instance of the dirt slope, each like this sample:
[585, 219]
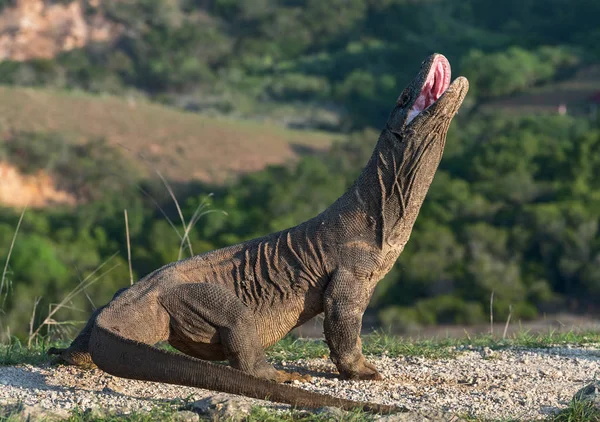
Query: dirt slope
[183, 146]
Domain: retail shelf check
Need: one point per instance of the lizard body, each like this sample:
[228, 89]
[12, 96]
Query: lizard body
[231, 303]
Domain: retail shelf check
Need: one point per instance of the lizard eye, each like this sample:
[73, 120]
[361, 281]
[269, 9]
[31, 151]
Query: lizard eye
[404, 98]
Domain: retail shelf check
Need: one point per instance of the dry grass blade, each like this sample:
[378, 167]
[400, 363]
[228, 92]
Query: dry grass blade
[128, 248]
[32, 320]
[492, 313]
[507, 321]
[86, 282]
[89, 299]
[73, 308]
[12, 244]
[195, 218]
[155, 202]
[467, 334]
[191, 226]
[185, 226]
[57, 323]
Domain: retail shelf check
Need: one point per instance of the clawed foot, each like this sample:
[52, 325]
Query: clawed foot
[363, 371]
[82, 359]
[283, 376]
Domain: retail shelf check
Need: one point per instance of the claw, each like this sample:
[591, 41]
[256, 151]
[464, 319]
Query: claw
[364, 371]
[292, 376]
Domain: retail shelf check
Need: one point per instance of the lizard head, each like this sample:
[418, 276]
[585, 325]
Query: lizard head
[410, 147]
[429, 101]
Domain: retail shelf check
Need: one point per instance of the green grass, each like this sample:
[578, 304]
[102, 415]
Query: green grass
[162, 412]
[16, 353]
[167, 412]
[158, 414]
[378, 343]
[267, 415]
[578, 411]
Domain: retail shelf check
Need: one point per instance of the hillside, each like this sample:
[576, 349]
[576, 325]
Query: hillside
[575, 93]
[183, 146]
[513, 213]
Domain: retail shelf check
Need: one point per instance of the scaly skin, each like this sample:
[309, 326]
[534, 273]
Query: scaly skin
[233, 302]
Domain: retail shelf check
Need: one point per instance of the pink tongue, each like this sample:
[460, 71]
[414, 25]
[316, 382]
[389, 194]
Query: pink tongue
[441, 80]
[438, 80]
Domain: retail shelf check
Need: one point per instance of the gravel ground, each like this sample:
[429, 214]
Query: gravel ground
[523, 384]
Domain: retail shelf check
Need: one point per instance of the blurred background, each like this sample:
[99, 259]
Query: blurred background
[274, 107]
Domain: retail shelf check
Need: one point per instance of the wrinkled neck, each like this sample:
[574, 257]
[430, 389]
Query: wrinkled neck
[381, 182]
[391, 188]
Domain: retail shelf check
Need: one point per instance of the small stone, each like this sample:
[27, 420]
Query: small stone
[97, 413]
[486, 352]
[186, 416]
[222, 406]
[37, 412]
[334, 413]
[425, 416]
[113, 387]
[589, 393]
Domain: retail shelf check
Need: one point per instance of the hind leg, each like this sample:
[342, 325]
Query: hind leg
[209, 322]
[78, 352]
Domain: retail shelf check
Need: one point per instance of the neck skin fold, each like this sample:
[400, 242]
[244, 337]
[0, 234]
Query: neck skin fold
[387, 196]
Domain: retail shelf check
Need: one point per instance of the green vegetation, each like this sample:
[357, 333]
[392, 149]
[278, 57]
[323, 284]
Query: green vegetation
[16, 353]
[513, 211]
[375, 344]
[161, 412]
[515, 69]
[380, 343]
[171, 414]
[578, 411]
[266, 415]
[231, 56]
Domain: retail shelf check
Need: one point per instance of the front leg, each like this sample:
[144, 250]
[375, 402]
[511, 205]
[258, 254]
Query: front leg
[345, 302]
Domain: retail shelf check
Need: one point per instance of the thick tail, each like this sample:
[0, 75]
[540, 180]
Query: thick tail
[130, 359]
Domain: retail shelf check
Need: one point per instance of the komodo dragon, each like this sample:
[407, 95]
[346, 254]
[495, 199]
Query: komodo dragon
[233, 302]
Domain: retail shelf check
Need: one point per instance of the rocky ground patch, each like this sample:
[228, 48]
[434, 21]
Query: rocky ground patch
[521, 384]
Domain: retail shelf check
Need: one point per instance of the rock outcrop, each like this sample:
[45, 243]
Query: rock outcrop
[36, 190]
[42, 29]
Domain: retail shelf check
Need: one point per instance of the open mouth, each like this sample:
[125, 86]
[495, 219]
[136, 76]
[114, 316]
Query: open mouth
[436, 83]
